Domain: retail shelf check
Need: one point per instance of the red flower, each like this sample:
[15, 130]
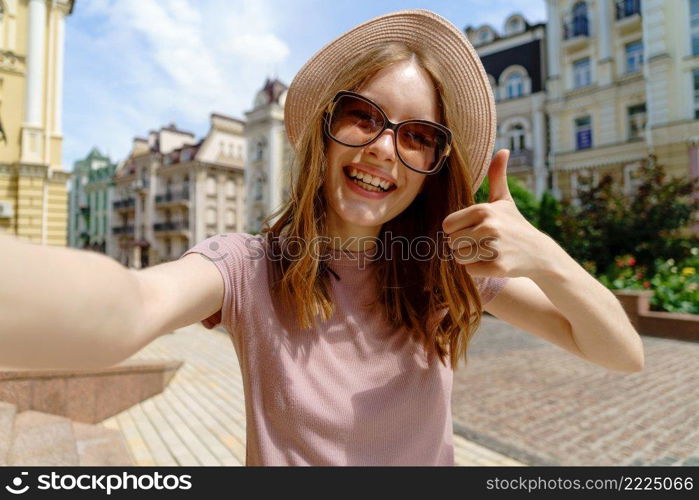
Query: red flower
[639, 276]
[632, 261]
[646, 284]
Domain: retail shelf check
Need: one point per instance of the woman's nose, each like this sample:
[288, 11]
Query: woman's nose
[383, 148]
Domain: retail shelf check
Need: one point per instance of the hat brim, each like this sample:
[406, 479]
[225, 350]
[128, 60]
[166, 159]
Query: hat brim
[463, 72]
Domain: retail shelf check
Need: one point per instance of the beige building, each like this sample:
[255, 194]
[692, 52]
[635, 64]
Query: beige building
[514, 61]
[623, 81]
[33, 192]
[173, 191]
[269, 154]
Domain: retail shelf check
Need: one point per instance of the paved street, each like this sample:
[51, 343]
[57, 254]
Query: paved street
[535, 402]
[200, 418]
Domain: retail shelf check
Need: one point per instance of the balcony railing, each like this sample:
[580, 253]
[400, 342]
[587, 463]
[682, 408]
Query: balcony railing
[123, 229]
[577, 27]
[127, 203]
[627, 8]
[521, 158]
[169, 197]
[171, 226]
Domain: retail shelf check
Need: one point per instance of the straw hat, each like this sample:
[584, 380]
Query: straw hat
[463, 72]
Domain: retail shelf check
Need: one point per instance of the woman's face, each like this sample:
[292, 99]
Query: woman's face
[404, 91]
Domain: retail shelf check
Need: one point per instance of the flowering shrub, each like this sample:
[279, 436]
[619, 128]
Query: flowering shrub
[675, 285]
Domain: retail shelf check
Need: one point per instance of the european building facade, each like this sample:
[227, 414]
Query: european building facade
[33, 191]
[173, 191]
[514, 61]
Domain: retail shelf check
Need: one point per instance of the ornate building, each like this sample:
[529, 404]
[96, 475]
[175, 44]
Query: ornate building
[597, 91]
[514, 61]
[90, 202]
[267, 167]
[173, 191]
[33, 194]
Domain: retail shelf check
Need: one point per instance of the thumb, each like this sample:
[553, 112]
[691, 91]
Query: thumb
[497, 177]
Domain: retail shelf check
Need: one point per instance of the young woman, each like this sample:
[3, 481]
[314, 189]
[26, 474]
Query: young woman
[350, 312]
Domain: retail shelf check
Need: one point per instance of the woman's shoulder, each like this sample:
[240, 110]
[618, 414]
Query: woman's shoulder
[234, 248]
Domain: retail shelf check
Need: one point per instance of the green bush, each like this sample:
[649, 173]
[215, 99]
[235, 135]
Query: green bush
[524, 199]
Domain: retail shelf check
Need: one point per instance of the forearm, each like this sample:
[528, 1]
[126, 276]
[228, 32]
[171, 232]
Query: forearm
[64, 308]
[600, 326]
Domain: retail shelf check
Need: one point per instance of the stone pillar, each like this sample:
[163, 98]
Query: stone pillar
[540, 173]
[604, 31]
[58, 101]
[239, 204]
[31, 150]
[553, 46]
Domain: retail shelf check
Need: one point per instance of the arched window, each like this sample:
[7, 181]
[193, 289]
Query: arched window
[514, 85]
[580, 19]
[516, 137]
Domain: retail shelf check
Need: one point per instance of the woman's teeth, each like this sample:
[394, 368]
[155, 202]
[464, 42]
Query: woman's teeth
[369, 182]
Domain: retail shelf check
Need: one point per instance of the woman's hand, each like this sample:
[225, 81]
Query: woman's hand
[494, 238]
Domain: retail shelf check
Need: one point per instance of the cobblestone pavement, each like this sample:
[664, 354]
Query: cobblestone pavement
[535, 402]
[199, 419]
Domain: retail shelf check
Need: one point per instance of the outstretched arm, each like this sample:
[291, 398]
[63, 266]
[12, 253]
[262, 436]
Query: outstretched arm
[64, 308]
[548, 294]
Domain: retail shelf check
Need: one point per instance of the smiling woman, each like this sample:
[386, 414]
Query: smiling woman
[349, 313]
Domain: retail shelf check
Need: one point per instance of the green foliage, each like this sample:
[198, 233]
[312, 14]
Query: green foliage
[524, 199]
[676, 285]
[648, 225]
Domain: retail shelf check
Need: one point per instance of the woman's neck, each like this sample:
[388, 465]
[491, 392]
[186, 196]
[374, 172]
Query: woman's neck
[347, 236]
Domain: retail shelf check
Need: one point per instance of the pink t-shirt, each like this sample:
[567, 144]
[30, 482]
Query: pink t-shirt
[350, 391]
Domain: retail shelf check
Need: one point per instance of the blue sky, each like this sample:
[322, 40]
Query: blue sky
[136, 65]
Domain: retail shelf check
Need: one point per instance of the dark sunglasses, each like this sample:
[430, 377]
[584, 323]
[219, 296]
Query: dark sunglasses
[356, 121]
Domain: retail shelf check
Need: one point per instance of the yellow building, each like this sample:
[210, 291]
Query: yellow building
[33, 193]
[623, 82]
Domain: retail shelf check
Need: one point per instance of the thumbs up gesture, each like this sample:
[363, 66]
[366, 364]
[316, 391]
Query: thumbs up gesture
[494, 238]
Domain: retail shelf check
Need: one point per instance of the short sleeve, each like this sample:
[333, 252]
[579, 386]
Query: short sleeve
[231, 253]
[489, 287]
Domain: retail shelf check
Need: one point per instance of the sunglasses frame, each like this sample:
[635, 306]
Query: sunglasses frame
[388, 124]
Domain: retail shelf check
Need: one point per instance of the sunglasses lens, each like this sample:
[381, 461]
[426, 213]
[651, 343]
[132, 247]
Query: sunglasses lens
[421, 145]
[356, 122]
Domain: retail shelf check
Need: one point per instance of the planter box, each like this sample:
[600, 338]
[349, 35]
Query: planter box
[680, 326]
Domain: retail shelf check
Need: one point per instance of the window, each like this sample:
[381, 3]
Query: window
[695, 74]
[627, 8]
[632, 177]
[694, 25]
[579, 24]
[211, 216]
[514, 85]
[581, 73]
[516, 138]
[230, 188]
[210, 185]
[637, 120]
[634, 56]
[582, 181]
[583, 133]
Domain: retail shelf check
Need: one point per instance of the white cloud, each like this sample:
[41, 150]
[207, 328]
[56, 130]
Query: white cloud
[145, 63]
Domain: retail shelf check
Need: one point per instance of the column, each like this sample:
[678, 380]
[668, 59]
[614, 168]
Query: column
[605, 63]
[58, 100]
[239, 202]
[553, 46]
[31, 149]
[539, 151]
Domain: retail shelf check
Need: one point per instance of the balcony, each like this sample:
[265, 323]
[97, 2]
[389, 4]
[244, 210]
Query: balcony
[521, 159]
[627, 8]
[576, 34]
[126, 204]
[628, 16]
[177, 197]
[159, 227]
[125, 230]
